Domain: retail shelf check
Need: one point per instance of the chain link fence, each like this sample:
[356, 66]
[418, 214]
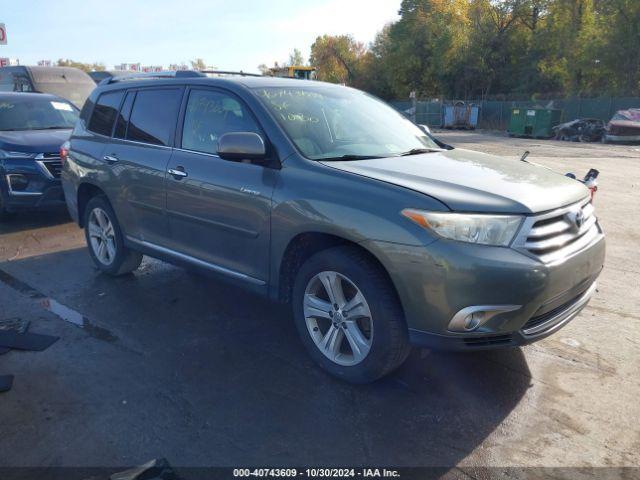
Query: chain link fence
[495, 114]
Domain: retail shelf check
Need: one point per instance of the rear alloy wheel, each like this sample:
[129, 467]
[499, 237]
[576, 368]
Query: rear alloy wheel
[348, 315]
[104, 239]
[102, 236]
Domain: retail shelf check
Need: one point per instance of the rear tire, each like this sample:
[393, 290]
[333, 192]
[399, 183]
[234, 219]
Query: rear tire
[365, 337]
[104, 239]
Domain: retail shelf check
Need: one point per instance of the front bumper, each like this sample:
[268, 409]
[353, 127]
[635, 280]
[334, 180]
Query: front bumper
[537, 328]
[622, 138]
[439, 280]
[43, 190]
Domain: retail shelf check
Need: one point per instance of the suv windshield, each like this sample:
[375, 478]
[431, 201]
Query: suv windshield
[36, 113]
[334, 123]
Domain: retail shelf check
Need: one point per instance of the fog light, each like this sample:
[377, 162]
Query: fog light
[18, 183]
[471, 318]
[473, 321]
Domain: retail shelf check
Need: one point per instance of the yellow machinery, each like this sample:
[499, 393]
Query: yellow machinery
[295, 71]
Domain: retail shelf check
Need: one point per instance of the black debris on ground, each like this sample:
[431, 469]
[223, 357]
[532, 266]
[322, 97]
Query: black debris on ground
[26, 341]
[15, 324]
[6, 382]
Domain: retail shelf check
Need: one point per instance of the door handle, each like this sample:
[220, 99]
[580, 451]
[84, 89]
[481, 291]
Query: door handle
[110, 158]
[177, 172]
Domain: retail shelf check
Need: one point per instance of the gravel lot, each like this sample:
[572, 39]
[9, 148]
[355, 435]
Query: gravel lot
[172, 364]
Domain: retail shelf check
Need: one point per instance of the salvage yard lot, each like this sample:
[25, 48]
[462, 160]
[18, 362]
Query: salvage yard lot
[172, 364]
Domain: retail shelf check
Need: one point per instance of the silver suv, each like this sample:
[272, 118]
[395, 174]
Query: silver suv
[377, 234]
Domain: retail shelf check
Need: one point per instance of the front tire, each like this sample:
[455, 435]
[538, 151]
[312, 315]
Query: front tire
[348, 315]
[104, 239]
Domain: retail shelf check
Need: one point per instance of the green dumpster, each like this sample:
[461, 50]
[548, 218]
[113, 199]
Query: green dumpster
[533, 122]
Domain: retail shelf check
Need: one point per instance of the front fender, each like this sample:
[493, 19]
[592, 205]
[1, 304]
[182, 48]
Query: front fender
[317, 199]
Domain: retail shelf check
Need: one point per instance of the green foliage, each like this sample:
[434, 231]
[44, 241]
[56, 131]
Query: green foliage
[338, 58]
[198, 64]
[479, 48]
[86, 67]
[296, 58]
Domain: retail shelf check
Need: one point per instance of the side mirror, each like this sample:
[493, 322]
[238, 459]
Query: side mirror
[425, 128]
[241, 146]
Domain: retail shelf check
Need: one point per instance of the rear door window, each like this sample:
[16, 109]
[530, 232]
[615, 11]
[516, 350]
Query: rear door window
[154, 116]
[123, 117]
[105, 112]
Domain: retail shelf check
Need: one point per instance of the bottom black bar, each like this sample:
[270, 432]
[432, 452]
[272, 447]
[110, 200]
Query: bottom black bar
[404, 473]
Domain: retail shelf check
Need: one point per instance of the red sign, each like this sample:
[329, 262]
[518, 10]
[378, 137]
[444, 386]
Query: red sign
[3, 34]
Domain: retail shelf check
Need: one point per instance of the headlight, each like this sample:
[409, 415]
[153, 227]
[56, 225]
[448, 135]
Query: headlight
[5, 154]
[497, 230]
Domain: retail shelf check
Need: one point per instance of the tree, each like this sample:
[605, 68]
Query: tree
[619, 56]
[198, 64]
[478, 48]
[86, 67]
[295, 58]
[264, 69]
[337, 58]
[425, 44]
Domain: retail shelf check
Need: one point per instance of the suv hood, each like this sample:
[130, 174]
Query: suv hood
[473, 182]
[34, 141]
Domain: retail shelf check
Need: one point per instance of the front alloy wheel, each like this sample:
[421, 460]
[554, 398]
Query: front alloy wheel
[348, 314]
[338, 318]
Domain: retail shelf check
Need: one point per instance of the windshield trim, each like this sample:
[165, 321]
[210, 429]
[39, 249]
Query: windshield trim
[33, 129]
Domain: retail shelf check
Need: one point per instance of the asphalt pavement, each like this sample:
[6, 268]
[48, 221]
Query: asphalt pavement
[168, 363]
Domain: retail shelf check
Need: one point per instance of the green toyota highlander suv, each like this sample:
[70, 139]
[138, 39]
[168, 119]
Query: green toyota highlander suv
[378, 235]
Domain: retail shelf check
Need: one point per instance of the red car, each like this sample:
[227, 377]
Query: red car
[624, 126]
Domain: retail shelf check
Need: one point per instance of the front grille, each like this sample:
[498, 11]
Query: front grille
[51, 163]
[558, 234]
[540, 319]
[623, 130]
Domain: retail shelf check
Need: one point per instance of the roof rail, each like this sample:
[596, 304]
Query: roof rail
[228, 72]
[152, 75]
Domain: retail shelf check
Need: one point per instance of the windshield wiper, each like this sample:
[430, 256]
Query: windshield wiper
[418, 151]
[52, 128]
[348, 157]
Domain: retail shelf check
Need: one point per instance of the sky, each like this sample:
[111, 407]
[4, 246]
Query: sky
[230, 35]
